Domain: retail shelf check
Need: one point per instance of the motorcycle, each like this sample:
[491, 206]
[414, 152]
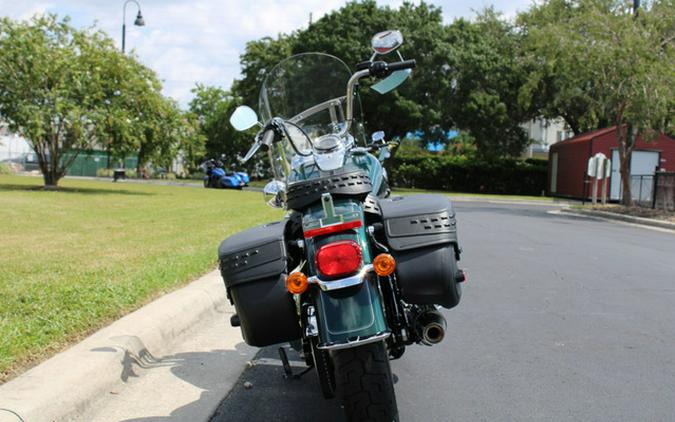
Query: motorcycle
[215, 176]
[351, 276]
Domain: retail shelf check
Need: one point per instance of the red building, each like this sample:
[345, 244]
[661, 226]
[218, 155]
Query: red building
[568, 161]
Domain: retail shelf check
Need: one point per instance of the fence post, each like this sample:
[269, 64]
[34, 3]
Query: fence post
[655, 187]
[583, 192]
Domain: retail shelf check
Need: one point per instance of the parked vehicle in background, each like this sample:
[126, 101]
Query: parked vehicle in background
[215, 176]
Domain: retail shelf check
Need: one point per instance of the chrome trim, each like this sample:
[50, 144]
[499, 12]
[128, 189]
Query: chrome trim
[328, 285]
[357, 342]
[350, 98]
[315, 109]
[311, 330]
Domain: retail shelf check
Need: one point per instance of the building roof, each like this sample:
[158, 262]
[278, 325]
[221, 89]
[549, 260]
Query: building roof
[586, 136]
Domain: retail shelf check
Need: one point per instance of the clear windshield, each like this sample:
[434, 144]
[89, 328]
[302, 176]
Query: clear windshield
[308, 91]
[299, 83]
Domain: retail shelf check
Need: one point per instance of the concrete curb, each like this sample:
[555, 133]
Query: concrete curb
[508, 201]
[622, 217]
[66, 386]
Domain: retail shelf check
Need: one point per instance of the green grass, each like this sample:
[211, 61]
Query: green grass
[259, 183]
[75, 259]
[406, 191]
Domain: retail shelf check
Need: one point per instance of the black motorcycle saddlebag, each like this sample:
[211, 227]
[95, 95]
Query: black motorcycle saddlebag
[421, 232]
[253, 265]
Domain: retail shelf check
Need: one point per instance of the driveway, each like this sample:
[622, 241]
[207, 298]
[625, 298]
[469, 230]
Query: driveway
[563, 319]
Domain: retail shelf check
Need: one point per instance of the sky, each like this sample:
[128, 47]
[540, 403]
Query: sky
[192, 41]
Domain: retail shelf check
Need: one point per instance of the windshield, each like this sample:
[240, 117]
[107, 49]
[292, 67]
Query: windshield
[309, 91]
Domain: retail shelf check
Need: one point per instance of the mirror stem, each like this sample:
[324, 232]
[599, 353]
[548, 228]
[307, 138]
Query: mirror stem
[350, 98]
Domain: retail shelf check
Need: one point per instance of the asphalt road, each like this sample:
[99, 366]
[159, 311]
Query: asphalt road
[563, 319]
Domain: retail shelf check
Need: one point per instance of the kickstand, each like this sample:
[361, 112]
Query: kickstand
[288, 371]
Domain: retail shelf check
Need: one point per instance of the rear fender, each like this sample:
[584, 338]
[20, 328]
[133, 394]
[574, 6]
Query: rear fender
[351, 315]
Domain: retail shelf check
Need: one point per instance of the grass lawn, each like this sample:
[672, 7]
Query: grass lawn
[487, 196]
[73, 260]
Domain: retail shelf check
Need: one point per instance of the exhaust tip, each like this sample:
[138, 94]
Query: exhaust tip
[433, 333]
[431, 327]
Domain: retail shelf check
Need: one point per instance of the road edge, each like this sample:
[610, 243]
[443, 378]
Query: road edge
[66, 386]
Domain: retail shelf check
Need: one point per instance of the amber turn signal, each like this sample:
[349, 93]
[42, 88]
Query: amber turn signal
[384, 264]
[296, 283]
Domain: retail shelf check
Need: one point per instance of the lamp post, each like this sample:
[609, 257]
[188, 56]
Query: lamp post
[138, 22]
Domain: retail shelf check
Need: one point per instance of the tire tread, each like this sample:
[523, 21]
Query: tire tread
[365, 383]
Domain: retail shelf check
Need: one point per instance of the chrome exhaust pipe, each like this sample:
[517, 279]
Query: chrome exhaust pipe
[432, 327]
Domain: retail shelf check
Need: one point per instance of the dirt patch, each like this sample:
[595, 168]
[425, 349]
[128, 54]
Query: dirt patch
[638, 212]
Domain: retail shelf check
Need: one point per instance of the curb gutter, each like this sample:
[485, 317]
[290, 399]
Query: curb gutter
[622, 217]
[67, 386]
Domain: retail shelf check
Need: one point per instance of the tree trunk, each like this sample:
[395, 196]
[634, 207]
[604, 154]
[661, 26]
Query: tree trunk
[107, 149]
[572, 123]
[50, 174]
[142, 158]
[51, 178]
[626, 142]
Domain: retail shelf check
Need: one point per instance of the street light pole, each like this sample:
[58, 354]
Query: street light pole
[138, 22]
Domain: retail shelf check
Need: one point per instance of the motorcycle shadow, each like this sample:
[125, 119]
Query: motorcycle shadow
[272, 397]
[202, 371]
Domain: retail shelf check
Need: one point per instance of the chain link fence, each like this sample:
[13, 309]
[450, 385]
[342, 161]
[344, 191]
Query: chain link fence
[655, 191]
[642, 190]
[664, 191]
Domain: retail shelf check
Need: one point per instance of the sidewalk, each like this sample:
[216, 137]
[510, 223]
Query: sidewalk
[174, 359]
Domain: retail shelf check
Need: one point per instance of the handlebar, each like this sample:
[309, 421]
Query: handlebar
[382, 69]
[379, 69]
[405, 64]
[268, 137]
[264, 137]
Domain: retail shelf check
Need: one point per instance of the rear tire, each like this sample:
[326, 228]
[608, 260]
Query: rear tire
[324, 370]
[365, 384]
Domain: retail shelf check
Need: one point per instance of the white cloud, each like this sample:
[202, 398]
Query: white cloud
[201, 40]
[24, 10]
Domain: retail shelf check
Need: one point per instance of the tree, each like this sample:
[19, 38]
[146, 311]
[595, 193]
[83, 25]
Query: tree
[549, 83]
[487, 71]
[346, 34]
[616, 62]
[468, 76]
[169, 132]
[212, 107]
[133, 103]
[65, 89]
[258, 59]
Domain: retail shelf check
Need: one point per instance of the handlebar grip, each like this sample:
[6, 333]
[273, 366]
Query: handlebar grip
[405, 64]
[363, 65]
[268, 138]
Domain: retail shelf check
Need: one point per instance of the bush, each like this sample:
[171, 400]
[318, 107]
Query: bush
[104, 172]
[196, 175]
[6, 169]
[461, 174]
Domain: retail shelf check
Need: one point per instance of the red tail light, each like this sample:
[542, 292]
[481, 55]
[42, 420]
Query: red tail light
[339, 258]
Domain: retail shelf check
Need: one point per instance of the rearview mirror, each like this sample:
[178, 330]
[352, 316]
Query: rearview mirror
[386, 41]
[273, 192]
[243, 118]
[392, 81]
[377, 137]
